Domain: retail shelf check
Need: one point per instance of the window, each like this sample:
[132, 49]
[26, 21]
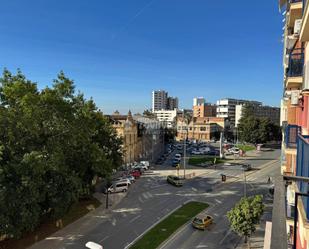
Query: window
[203, 129]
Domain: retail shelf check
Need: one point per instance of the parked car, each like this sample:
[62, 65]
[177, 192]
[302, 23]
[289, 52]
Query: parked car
[129, 177]
[174, 180]
[178, 156]
[118, 187]
[140, 167]
[159, 161]
[146, 163]
[121, 179]
[202, 221]
[175, 162]
[196, 152]
[213, 153]
[234, 150]
[135, 173]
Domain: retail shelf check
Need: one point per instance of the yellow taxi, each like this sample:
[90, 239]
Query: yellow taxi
[202, 221]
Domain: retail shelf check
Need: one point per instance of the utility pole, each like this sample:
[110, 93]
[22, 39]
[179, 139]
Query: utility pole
[184, 145]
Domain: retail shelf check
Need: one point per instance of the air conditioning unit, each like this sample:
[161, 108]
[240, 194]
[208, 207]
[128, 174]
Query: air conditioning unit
[297, 26]
[294, 97]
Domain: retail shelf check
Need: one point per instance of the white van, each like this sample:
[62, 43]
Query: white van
[118, 187]
[146, 163]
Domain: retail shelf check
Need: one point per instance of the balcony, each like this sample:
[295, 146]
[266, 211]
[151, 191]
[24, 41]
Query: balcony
[304, 31]
[295, 12]
[302, 168]
[295, 68]
[291, 136]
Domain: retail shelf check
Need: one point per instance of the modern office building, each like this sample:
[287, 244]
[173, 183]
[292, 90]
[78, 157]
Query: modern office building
[226, 108]
[295, 121]
[260, 111]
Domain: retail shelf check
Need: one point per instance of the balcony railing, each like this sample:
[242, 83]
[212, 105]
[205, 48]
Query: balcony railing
[302, 168]
[291, 135]
[296, 63]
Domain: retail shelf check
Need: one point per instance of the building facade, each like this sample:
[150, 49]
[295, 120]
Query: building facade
[200, 129]
[167, 117]
[272, 113]
[159, 100]
[172, 103]
[226, 108]
[294, 118]
[202, 109]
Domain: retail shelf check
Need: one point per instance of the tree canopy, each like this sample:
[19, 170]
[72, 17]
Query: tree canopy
[257, 130]
[53, 143]
[246, 214]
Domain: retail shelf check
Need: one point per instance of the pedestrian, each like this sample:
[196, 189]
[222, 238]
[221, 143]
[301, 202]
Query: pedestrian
[268, 181]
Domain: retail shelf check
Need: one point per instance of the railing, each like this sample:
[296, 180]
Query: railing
[296, 63]
[291, 135]
[296, 1]
[302, 168]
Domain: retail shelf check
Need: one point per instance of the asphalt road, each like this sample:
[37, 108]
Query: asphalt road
[151, 198]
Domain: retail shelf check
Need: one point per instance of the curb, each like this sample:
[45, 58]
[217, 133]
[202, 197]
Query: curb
[179, 229]
[153, 225]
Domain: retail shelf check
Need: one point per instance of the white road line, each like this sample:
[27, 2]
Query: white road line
[135, 218]
[106, 237]
[227, 234]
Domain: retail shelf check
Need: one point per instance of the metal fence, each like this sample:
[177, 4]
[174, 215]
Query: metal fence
[302, 168]
[296, 63]
[290, 137]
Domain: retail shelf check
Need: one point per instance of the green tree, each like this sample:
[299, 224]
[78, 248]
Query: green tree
[245, 215]
[53, 144]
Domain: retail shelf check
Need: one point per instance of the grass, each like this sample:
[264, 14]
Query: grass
[246, 147]
[163, 230]
[198, 160]
[49, 227]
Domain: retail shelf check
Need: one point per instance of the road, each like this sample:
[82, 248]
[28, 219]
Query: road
[151, 198]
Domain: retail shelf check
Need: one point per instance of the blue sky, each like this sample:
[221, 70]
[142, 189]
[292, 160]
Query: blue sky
[118, 51]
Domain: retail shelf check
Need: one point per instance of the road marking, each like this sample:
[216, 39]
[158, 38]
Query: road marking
[227, 234]
[135, 218]
[106, 237]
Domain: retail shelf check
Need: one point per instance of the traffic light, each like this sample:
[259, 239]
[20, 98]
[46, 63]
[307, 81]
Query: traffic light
[223, 177]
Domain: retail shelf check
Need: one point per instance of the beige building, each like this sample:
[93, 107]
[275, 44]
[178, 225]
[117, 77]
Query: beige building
[200, 129]
[127, 128]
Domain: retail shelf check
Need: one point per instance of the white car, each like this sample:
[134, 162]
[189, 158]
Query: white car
[196, 152]
[178, 156]
[146, 163]
[123, 180]
[129, 177]
[142, 166]
[234, 150]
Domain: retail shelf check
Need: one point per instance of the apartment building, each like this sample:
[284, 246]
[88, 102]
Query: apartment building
[161, 101]
[226, 108]
[203, 109]
[295, 120]
[172, 103]
[260, 111]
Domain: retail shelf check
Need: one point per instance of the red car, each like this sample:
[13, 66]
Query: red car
[135, 173]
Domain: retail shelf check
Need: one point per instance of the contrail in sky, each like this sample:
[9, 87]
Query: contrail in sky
[138, 13]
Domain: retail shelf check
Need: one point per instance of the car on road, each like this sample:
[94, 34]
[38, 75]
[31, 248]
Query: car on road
[174, 180]
[177, 156]
[246, 167]
[234, 150]
[202, 221]
[129, 177]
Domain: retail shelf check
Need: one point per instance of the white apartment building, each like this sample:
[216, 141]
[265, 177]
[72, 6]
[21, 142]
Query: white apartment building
[168, 117]
[226, 108]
